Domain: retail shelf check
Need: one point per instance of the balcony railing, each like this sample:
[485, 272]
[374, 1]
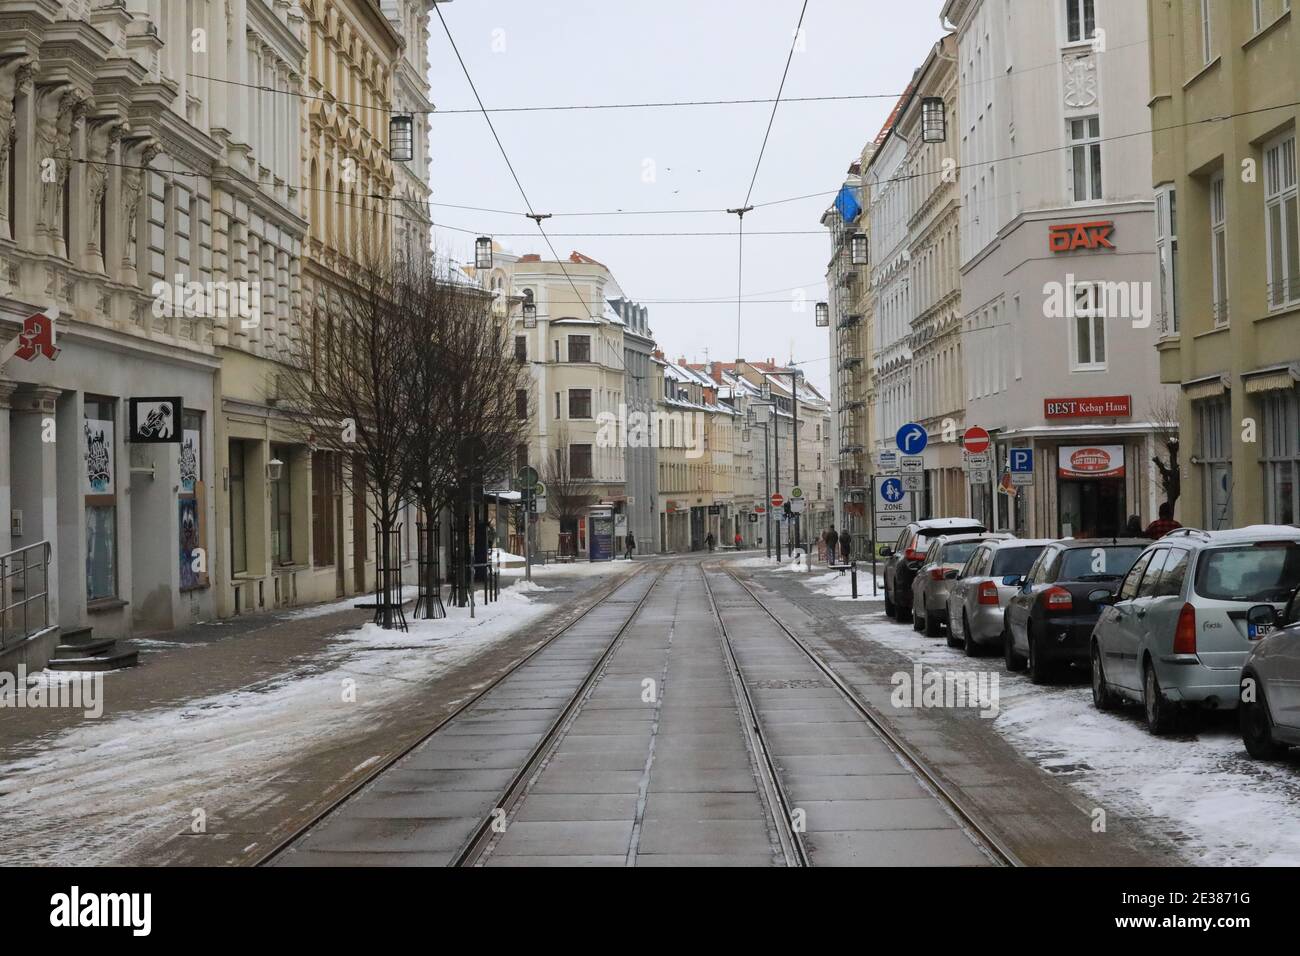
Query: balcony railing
[24, 592]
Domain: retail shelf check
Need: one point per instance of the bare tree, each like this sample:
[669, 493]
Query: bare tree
[568, 496]
[1164, 415]
[348, 387]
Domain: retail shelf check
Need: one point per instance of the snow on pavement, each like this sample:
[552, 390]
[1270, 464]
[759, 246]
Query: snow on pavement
[106, 787]
[1220, 806]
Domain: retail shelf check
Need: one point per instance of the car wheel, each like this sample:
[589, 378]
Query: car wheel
[1102, 697]
[901, 614]
[918, 625]
[1159, 711]
[930, 625]
[968, 643]
[1257, 728]
[1014, 661]
[1037, 667]
[890, 610]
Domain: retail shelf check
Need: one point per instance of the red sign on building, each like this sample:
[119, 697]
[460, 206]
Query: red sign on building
[1098, 406]
[1080, 235]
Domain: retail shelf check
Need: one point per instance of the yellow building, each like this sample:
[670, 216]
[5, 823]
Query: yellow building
[1225, 79]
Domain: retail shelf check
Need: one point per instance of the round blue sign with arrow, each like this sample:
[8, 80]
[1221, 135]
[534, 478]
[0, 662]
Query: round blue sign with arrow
[912, 439]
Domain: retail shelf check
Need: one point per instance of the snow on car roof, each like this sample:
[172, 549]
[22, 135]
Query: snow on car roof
[938, 524]
[1255, 532]
[1025, 543]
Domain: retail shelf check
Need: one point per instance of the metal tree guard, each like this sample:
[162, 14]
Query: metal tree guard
[428, 603]
[388, 579]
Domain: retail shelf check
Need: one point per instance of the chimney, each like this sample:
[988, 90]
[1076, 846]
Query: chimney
[681, 360]
[715, 369]
[659, 354]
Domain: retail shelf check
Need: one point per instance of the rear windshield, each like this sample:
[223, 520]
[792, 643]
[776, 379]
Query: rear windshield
[958, 551]
[923, 539]
[1098, 564]
[1249, 573]
[1015, 560]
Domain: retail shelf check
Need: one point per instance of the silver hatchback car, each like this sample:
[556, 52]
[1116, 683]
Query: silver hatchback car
[1179, 629]
[1270, 683]
[943, 562]
[977, 599]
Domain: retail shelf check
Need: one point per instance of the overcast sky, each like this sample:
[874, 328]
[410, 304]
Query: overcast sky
[566, 52]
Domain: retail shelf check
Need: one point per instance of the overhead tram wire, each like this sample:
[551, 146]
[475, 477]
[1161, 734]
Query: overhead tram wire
[532, 213]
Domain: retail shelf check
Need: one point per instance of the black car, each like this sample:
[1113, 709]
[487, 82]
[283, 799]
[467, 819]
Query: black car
[1049, 621]
[905, 558]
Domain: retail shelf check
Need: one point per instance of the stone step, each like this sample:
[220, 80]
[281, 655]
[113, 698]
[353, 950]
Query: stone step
[103, 662]
[85, 649]
[75, 635]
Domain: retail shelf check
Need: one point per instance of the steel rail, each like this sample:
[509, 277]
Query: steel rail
[390, 761]
[956, 803]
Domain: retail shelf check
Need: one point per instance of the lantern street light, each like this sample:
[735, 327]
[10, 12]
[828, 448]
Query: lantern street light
[530, 315]
[859, 248]
[823, 315]
[274, 469]
[934, 120]
[483, 253]
[401, 138]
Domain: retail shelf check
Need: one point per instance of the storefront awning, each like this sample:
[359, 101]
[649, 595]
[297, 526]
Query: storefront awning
[1271, 379]
[1211, 386]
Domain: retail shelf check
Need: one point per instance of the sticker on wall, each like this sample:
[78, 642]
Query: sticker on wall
[155, 420]
[189, 542]
[98, 476]
[189, 459]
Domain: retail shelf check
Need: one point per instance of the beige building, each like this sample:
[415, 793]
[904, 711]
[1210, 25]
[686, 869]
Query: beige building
[1225, 78]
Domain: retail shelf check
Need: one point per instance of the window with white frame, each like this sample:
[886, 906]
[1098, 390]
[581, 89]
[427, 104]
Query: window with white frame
[1080, 20]
[1207, 32]
[1089, 327]
[1218, 250]
[1282, 223]
[1167, 257]
[1085, 158]
[1257, 14]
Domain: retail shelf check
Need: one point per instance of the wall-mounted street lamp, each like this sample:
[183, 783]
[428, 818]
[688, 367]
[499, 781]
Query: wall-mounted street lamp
[859, 249]
[483, 253]
[274, 469]
[530, 315]
[934, 120]
[766, 390]
[823, 315]
[401, 138]
[744, 435]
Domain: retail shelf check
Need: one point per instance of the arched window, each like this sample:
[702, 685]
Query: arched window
[328, 202]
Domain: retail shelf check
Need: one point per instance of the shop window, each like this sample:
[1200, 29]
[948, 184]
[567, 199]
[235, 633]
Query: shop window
[190, 502]
[1281, 456]
[238, 509]
[99, 489]
[282, 509]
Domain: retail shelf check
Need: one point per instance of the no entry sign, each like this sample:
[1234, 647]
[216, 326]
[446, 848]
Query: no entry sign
[975, 440]
[778, 500]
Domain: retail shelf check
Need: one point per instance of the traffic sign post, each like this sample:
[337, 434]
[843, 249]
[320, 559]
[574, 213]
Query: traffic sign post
[912, 439]
[778, 500]
[1022, 466]
[975, 440]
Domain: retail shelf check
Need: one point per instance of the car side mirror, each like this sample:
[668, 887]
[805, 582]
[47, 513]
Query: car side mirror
[1012, 580]
[1101, 596]
[1261, 614]
[951, 575]
[886, 552]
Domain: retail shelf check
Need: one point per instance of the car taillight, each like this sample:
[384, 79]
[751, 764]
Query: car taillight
[1058, 599]
[988, 593]
[936, 574]
[1185, 635]
[914, 555]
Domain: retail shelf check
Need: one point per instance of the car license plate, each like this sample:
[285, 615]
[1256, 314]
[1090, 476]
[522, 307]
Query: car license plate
[1256, 631]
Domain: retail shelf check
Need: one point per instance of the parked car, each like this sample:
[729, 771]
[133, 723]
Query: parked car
[977, 599]
[905, 558]
[1049, 620]
[1269, 708]
[1178, 631]
[944, 560]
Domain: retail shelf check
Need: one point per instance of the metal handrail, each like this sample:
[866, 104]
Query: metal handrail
[19, 564]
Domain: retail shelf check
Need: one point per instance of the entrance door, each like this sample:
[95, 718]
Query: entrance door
[1091, 507]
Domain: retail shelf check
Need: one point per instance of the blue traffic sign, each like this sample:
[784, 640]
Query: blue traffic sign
[912, 439]
[891, 489]
[1022, 460]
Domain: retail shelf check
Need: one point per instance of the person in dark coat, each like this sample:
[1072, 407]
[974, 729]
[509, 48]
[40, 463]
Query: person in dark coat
[832, 540]
[708, 540]
[631, 546]
[1134, 527]
[846, 547]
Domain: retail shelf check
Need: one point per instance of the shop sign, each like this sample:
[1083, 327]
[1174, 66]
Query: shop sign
[155, 420]
[1070, 236]
[1100, 406]
[1090, 461]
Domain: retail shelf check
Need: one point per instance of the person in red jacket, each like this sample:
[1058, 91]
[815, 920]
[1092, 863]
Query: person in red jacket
[1164, 524]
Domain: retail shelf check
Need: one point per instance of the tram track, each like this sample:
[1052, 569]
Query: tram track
[956, 804]
[391, 761]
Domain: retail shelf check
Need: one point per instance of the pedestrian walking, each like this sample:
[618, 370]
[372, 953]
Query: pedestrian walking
[846, 547]
[630, 546]
[1134, 527]
[831, 539]
[739, 543]
[1164, 524]
[708, 540]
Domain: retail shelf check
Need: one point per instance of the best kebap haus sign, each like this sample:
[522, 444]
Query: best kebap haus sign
[1090, 461]
[1092, 406]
